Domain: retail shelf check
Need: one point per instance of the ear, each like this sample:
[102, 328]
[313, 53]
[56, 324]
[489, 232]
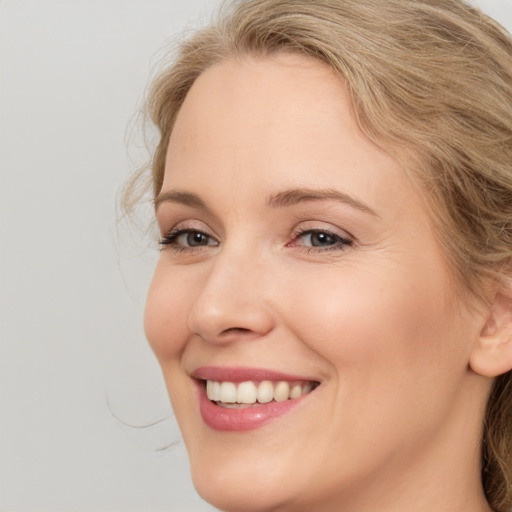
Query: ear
[492, 354]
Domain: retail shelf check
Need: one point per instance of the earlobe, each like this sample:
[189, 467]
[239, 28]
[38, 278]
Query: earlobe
[492, 354]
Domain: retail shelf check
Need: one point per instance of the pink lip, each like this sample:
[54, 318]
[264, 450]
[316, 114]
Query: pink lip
[242, 374]
[250, 418]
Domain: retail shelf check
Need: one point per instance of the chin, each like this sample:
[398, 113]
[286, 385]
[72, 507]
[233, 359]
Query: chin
[235, 494]
[244, 484]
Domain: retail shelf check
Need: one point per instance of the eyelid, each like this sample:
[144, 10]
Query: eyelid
[345, 239]
[169, 238]
[191, 225]
[312, 225]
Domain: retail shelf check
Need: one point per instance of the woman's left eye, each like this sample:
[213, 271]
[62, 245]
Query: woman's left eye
[318, 239]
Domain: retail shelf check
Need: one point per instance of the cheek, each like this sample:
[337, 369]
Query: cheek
[358, 319]
[165, 325]
[165, 319]
[391, 345]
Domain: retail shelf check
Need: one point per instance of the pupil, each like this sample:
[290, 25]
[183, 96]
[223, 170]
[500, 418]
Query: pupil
[195, 239]
[318, 239]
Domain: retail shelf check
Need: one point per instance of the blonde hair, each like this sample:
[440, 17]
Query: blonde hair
[431, 83]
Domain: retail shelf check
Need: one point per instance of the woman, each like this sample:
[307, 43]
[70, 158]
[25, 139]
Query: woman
[332, 306]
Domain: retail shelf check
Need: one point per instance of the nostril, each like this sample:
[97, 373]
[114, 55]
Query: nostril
[233, 334]
[235, 330]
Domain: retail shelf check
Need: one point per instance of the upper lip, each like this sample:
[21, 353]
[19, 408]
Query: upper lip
[242, 374]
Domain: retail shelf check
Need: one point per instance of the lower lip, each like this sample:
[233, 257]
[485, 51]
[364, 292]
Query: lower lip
[248, 418]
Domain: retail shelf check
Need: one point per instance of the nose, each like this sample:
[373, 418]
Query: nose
[232, 302]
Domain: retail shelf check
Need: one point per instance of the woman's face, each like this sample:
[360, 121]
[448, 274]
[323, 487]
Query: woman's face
[299, 260]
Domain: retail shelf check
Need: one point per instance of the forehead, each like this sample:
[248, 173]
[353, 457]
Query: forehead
[261, 123]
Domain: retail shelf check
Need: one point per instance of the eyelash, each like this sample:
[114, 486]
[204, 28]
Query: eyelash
[170, 240]
[340, 242]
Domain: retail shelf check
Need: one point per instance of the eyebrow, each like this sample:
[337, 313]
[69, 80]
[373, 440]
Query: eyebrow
[180, 197]
[283, 199]
[299, 195]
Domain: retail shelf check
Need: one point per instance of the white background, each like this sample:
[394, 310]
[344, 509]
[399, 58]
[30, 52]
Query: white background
[72, 284]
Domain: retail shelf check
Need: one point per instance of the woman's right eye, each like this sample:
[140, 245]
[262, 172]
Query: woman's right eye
[187, 239]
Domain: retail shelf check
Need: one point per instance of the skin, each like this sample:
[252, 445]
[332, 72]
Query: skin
[396, 422]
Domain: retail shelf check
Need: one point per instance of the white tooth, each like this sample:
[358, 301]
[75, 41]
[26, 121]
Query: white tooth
[216, 390]
[209, 385]
[307, 388]
[265, 392]
[232, 406]
[213, 390]
[246, 393]
[227, 392]
[296, 391]
[282, 391]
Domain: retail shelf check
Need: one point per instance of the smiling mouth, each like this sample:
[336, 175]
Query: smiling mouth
[246, 394]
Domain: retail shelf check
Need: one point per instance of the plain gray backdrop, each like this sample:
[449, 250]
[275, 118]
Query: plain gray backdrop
[73, 355]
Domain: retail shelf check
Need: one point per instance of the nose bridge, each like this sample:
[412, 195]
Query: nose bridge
[232, 302]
